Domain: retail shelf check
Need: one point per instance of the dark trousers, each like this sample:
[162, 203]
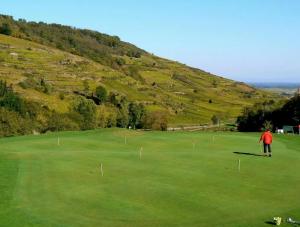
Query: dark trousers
[267, 148]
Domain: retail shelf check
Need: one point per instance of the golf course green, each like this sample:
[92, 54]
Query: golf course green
[147, 179]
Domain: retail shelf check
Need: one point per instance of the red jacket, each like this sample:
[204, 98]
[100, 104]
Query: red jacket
[266, 137]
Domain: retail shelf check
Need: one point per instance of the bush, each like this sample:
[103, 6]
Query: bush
[101, 93]
[122, 118]
[157, 120]
[136, 113]
[12, 102]
[61, 96]
[11, 124]
[87, 110]
[215, 120]
[5, 29]
[120, 61]
[61, 122]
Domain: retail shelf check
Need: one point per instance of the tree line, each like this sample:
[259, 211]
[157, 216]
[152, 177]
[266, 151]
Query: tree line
[94, 45]
[19, 116]
[271, 115]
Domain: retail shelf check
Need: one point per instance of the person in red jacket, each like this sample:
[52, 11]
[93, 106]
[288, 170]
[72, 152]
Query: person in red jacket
[267, 139]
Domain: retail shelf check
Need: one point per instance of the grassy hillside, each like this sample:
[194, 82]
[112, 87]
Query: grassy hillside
[175, 183]
[183, 91]
[190, 96]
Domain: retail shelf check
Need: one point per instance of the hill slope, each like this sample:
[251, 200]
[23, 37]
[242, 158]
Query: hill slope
[191, 96]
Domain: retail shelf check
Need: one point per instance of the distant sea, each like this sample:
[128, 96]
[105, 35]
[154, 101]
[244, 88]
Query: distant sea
[284, 89]
[276, 85]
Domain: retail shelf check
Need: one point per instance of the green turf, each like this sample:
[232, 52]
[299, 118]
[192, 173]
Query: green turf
[175, 183]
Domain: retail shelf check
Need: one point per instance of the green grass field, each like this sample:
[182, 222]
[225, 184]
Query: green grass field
[182, 179]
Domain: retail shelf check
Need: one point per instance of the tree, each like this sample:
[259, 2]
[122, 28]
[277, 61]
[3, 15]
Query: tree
[157, 120]
[60, 122]
[270, 115]
[101, 93]
[122, 118]
[120, 61]
[136, 113]
[12, 102]
[87, 109]
[5, 29]
[112, 98]
[215, 120]
[12, 124]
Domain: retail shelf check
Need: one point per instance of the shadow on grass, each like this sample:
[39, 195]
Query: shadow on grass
[251, 154]
[270, 222]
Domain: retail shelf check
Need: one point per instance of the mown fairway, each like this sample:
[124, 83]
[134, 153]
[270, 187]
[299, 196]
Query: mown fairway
[176, 183]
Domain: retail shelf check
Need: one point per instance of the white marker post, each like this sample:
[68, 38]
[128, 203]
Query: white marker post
[239, 165]
[101, 169]
[141, 153]
[58, 142]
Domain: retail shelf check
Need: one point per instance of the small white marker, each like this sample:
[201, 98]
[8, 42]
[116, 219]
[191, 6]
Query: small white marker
[141, 153]
[58, 142]
[101, 169]
[239, 165]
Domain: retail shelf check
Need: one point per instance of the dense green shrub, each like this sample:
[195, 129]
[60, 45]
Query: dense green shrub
[101, 93]
[87, 110]
[106, 116]
[157, 120]
[12, 102]
[61, 96]
[61, 122]
[5, 29]
[215, 120]
[136, 114]
[122, 118]
[11, 123]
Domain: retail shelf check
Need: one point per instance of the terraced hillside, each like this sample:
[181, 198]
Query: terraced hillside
[190, 95]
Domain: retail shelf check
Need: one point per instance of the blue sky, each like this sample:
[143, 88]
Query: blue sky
[246, 40]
